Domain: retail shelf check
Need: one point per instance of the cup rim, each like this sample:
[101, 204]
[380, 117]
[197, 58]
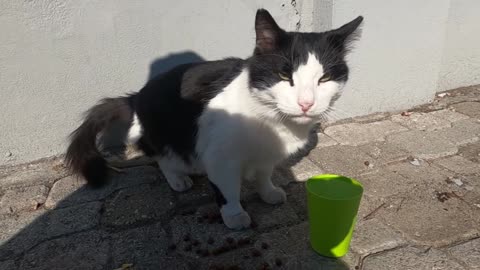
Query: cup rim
[323, 177]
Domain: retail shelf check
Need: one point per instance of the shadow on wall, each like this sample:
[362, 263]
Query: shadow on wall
[164, 64]
[137, 219]
[112, 140]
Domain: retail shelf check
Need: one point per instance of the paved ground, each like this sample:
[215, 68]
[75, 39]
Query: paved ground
[421, 208]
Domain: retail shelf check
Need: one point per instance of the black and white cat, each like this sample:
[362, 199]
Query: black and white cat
[232, 119]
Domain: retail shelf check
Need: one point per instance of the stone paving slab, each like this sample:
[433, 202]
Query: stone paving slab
[357, 134]
[471, 109]
[22, 199]
[468, 253]
[340, 159]
[43, 172]
[72, 190]
[138, 205]
[372, 236]
[420, 208]
[422, 121]
[69, 253]
[459, 164]
[383, 153]
[146, 248]
[423, 144]
[462, 132]
[411, 258]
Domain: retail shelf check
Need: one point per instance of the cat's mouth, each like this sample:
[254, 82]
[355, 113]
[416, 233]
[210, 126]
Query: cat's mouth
[302, 118]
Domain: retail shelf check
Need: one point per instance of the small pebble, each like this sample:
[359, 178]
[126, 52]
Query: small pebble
[8, 154]
[415, 162]
[457, 181]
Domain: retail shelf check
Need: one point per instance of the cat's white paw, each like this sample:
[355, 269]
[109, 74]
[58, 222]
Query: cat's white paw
[180, 182]
[237, 221]
[274, 196]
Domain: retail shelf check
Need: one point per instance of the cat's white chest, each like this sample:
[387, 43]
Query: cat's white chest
[235, 126]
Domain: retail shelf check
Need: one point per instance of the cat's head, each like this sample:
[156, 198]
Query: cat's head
[299, 75]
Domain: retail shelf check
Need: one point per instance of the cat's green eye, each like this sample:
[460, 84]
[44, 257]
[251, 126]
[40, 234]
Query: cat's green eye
[325, 78]
[283, 76]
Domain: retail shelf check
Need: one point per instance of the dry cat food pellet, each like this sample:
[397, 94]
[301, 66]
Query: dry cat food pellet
[264, 266]
[256, 253]
[244, 241]
[216, 251]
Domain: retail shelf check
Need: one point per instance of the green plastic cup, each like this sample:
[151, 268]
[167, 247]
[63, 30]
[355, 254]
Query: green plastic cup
[333, 202]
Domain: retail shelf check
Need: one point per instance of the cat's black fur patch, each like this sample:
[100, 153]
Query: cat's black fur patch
[169, 105]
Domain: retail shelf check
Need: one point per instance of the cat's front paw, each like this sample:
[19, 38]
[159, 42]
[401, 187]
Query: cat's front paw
[274, 196]
[180, 183]
[238, 221]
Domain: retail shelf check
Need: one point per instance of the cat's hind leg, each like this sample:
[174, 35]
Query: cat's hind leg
[225, 178]
[175, 171]
[269, 193]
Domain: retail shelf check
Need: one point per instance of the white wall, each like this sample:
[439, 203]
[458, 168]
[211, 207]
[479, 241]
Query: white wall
[397, 60]
[461, 54]
[58, 57]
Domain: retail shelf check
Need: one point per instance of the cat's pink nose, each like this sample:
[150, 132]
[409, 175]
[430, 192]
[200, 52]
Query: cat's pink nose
[305, 105]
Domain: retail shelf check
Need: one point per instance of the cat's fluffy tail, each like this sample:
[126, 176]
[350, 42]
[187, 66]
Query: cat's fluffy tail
[82, 155]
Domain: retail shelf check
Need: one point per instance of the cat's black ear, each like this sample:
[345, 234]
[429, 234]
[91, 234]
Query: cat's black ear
[267, 32]
[347, 33]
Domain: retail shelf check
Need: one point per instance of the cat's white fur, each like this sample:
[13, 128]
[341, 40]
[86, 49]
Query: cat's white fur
[240, 138]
